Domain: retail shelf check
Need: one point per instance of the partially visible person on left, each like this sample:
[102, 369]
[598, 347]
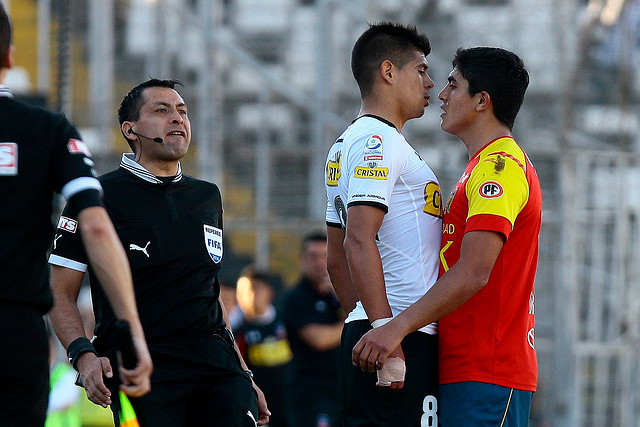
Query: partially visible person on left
[41, 153]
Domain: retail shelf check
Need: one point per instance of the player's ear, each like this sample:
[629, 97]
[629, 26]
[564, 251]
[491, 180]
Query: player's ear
[484, 101]
[387, 70]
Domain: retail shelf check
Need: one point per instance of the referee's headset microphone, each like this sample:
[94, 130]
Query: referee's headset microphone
[156, 139]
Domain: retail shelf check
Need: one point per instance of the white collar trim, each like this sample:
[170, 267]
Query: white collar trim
[5, 92]
[128, 162]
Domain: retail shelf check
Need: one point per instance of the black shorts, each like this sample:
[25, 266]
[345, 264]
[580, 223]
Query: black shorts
[24, 366]
[368, 405]
[196, 382]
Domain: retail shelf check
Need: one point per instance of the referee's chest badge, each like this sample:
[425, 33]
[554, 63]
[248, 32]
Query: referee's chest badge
[213, 242]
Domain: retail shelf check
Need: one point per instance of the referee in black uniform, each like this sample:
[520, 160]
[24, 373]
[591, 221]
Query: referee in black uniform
[41, 153]
[171, 227]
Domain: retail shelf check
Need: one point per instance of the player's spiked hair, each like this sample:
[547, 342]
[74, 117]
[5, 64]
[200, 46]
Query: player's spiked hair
[384, 41]
[499, 72]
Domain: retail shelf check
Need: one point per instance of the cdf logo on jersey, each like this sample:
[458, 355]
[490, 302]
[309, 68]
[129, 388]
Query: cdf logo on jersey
[213, 242]
[8, 158]
[373, 148]
[491, 190]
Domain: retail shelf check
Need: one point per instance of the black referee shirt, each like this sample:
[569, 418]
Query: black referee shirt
[40, 153]
[172, 234]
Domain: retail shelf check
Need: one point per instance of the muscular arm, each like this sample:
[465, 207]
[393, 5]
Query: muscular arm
[339, 269]
[109, 261]
[465, 278]
[363, 257]
[65, 316]
[67, 323]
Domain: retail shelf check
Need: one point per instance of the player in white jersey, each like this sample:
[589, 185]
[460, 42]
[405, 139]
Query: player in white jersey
[384, 224]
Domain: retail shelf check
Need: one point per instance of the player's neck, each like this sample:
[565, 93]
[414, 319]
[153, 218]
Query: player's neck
[384, 110]
[476, 137]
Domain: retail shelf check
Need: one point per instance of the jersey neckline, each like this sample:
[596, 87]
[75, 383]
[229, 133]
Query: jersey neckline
[373, 116]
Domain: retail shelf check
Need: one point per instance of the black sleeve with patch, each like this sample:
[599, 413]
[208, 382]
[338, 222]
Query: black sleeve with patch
[70, 157]
[67, 244]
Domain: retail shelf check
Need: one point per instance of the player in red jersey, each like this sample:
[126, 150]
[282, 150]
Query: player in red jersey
[485, 296]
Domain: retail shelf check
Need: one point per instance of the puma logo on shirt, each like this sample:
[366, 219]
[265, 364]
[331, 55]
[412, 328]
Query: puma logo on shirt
[134, 247]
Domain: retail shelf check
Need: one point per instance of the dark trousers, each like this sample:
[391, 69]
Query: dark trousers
[24, 366]
[196, 382]
[367, 405]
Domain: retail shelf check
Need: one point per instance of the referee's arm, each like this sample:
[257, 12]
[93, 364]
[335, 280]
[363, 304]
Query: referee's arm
[66, 320]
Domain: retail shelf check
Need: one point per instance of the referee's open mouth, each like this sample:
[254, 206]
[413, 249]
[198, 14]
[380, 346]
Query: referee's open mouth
[177, 133]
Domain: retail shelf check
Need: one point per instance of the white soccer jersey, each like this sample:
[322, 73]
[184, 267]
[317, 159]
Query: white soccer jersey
[372, 164]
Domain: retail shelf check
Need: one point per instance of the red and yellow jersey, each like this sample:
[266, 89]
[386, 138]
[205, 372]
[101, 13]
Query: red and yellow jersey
[490, 338]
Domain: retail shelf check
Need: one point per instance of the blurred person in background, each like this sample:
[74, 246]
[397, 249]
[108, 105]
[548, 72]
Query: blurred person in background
[314, 322]
[230, 302]
[485, 297]
[171, 225]
[262, 339]
[384, 223]
[64, 397]
[41, 153]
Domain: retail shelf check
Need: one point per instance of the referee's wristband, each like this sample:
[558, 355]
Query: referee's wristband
[77, 348]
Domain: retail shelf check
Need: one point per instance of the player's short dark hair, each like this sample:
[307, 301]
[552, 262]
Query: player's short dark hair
[313, 237]
[129, 110]
[5, 30]
[499, 72]
[384, 41]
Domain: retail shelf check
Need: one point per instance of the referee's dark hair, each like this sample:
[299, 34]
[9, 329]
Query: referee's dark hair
[313, 237]
[5, 30]
[129, 110]
[381, 42]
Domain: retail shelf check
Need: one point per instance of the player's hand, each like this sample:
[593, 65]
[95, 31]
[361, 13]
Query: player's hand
[391, 375]
[375, 346]
[137, 382]
[91, 369]
[263, 410]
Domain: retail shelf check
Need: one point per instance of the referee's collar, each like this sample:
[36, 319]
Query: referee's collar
[135, 168]
[5, 92]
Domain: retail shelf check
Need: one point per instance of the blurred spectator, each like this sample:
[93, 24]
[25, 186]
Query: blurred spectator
[64, 396]
[91, 415]
[228, 295]
[262, 338]
[314, 321]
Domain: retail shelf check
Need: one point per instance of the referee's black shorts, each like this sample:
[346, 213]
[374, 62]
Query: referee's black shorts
[368, 405]
[24, 366]
[196, 381]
